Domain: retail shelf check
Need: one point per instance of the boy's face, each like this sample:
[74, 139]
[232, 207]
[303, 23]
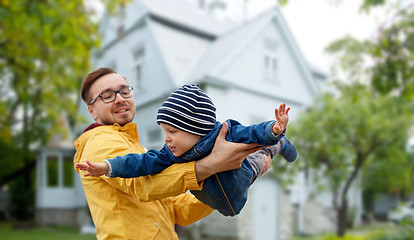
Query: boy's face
[178, 140]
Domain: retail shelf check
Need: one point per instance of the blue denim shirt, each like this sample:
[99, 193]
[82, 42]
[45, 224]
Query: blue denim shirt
[224, 191]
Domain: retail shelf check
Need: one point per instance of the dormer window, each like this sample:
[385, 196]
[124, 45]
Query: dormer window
[271, 67]
[270, 60]
[121, 13]
[155, 138]
[137, 66]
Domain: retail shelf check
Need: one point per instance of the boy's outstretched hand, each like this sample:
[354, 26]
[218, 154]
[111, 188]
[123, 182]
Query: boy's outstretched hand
[282, 119]
[93, 169]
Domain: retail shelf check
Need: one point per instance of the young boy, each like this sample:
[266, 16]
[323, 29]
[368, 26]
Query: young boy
[189, 122]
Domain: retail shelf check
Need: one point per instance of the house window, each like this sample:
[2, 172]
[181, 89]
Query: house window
[154, 135]
[120, 30]
[155, 138]
[59, 170]
[52, 171]
[271, 60]
[271, 67]
[137, 66]
[68, 173]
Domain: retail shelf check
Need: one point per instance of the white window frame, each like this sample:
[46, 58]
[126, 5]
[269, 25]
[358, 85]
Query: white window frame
[138, 56]
[121, 16]
[271, 67]
[271, 60]
[43, 173]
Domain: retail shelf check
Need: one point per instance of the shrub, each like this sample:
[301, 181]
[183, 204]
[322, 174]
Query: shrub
[404, 231]
[346, 237]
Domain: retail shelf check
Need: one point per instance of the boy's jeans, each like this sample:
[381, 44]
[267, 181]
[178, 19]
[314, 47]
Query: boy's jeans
[227, 191]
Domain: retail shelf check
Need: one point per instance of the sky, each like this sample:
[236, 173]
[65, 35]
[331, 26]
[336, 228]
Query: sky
[316, 23]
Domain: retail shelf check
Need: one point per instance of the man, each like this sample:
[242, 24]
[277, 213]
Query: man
[145, 207]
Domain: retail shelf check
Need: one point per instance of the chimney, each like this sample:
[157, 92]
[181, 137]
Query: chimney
[217, 9]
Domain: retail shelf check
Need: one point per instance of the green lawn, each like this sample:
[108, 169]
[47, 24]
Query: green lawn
[61, 233]
[379, 231]
[37, 233]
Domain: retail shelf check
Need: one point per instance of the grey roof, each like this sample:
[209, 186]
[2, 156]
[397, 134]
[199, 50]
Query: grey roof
[183, 34]
[183, 14]
[221, 51]
[180, 50]
[195, 46]
[192, 58]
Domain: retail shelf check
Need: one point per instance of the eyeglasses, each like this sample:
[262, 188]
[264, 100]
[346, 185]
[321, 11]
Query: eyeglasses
[109, 96]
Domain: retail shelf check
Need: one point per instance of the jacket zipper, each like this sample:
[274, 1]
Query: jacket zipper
[225, 195]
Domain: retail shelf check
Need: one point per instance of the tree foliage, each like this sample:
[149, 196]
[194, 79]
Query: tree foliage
[365, 126]
[45, 53]
[387, 57]
[346, 133]
[384, 62]
[393, 55]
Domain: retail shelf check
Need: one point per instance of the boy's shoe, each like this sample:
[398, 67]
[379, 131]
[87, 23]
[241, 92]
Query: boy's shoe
[289, 151]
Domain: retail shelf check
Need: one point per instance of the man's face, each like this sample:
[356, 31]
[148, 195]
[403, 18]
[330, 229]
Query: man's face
[121, 110]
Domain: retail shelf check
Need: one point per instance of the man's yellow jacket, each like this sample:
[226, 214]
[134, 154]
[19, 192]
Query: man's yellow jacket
[136, 208]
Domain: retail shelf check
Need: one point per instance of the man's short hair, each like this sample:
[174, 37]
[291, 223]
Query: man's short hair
[90, 79]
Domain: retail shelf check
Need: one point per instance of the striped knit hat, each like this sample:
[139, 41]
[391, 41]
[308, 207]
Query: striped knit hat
[188, 109]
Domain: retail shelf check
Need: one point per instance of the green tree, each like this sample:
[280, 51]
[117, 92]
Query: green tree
[392, 53]
[347, 132]
[385, 60]
[385, 63]
[45, 52]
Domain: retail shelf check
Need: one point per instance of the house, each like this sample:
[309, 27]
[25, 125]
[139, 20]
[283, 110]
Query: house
[60, 199]
[247, 69]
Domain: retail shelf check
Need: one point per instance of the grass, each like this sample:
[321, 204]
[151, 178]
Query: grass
[42, 233]
[357, 231]
[63, 233]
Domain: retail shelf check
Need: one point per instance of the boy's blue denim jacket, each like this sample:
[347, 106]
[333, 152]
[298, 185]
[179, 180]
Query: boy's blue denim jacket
[224, 191]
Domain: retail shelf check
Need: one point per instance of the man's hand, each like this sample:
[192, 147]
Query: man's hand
[282, 119]
[224, 156]
[93, 169]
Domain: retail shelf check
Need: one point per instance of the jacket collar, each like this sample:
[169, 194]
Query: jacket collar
[92, 126]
